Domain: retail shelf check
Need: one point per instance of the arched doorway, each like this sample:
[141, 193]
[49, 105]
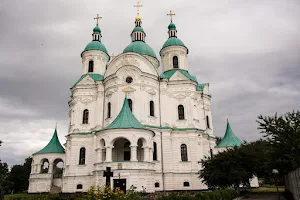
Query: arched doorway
[121, 150]
[58, 165]
[141, 150]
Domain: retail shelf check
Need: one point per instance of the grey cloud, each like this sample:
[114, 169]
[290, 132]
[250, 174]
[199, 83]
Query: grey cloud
[247, 50]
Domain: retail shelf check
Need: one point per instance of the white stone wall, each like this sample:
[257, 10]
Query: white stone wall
[100, 61]
[167, 55]
[42, 182]
[168, 170]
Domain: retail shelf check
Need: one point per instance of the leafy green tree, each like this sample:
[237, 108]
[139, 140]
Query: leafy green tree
[19, 176]
[227, 169]
[283, 135]
[236, 166]
[5, 184]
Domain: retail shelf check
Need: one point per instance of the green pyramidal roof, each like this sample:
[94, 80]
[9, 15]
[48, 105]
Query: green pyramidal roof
[168, 74]
[95, 77]
[229, 139]
[125, 119]
[53, 146]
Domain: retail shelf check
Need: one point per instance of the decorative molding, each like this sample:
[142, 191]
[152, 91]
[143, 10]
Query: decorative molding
[151, 91]
[109, 94]
[86, 100]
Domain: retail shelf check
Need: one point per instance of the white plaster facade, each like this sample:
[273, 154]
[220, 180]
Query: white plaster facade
[107, 148]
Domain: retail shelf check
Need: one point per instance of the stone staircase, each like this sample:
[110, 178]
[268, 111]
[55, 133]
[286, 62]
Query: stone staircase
[55, 189]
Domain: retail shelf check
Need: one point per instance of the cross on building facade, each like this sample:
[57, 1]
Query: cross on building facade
[107, 174]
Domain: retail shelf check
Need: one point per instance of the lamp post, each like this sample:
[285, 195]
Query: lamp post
[276, 174]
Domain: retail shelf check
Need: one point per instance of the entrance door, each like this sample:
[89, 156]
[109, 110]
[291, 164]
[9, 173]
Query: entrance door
[120, 183]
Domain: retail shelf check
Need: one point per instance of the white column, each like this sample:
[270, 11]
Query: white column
[146, 154]
[133, 152]
[39, 168]
[99, 155]
[150, 154]
[50, 170]
[108, 154]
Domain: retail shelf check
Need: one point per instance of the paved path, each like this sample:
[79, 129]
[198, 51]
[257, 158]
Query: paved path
[265, 196]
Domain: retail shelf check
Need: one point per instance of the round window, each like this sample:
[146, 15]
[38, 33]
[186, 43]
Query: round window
[129, 79]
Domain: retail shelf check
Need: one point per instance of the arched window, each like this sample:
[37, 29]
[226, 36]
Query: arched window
[130, 104]
[108, 110]
[207, 122]
[85, 118]
[175, 62]
[180, 112]
[156, 184]
[82, 156]
[183, 149]
[45, 166]
[79, 187]
[186, 184]
[151, 108]
[91, 66]
[154, 151]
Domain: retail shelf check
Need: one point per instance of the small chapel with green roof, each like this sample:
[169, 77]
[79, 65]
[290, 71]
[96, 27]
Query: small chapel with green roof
[134, 119]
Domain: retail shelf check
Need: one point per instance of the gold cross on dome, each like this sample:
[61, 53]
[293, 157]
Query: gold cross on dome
[227, 116]
[171, 14]
[56, 124]
[138, 6]
[97, 18]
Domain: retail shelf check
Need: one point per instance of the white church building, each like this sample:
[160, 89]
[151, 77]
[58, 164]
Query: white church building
[149, 128]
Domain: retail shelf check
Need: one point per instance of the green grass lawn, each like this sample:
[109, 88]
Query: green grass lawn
[268, 188]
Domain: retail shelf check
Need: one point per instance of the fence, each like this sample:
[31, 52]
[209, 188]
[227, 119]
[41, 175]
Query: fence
[292, 183]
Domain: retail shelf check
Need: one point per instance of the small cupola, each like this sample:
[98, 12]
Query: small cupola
[97, 31]
[138, 33]
[173, 52]
[138, 44]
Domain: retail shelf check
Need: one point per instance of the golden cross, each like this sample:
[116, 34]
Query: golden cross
[171, 14]
[138, 6]
[97, 18]
[56, 124]
[227, 116]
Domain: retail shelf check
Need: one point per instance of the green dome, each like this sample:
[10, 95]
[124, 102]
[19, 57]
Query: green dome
[140, 48]
[95, 45]
[172, 26]
[96, 29]
[173, 41]
[138, 28]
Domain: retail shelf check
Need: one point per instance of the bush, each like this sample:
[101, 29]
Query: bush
[100, 193]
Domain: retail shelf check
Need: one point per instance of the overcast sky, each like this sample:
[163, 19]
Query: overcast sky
[248, 50]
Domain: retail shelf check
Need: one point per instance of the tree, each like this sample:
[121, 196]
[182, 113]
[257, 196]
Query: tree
[236, 166]
[19, 176]
[5, 184]
[283, 135]
[227, 169]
